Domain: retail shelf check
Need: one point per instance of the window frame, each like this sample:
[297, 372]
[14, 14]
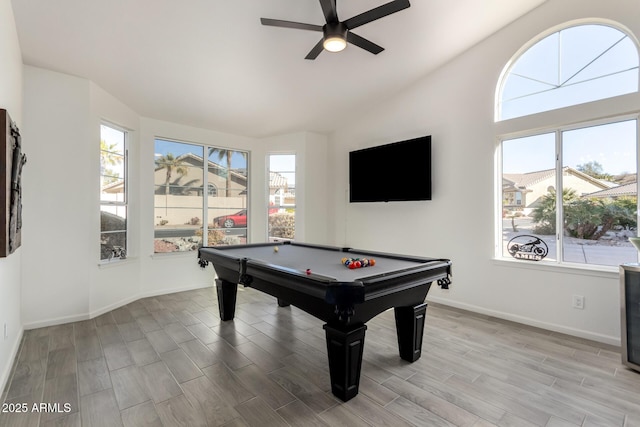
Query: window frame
[268, 190]
[502, 79]
[557, 131]
[125, 202]
[578, 116]
[205, 192]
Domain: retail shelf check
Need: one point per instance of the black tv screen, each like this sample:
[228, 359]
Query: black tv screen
[390, 173]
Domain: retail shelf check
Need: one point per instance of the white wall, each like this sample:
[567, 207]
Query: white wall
[10, 275]
[61, 205]
[57, 206]
[455, 106]
[314, 172]
[64, 282]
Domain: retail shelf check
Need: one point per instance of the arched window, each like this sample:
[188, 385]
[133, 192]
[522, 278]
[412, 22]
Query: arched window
[568, 67]
[213, 190]
[568, 181]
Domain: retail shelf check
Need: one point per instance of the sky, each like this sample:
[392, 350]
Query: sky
[113, 138]
[612, 145]
[285, 165]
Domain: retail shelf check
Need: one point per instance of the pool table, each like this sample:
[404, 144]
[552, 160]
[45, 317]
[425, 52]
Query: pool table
[313, 278]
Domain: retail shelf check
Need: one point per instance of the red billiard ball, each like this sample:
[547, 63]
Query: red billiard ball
[308, 271]
[352, 266]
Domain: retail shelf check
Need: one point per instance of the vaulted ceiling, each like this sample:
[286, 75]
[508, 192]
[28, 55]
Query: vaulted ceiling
[210, 63]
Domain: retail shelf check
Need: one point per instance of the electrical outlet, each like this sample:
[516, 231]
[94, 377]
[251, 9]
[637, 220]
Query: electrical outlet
[578, 302]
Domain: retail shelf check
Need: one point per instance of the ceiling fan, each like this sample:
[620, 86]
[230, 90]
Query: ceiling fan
[337, 33]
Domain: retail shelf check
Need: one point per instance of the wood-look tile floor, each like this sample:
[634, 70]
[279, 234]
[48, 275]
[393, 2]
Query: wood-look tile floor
[170, 361]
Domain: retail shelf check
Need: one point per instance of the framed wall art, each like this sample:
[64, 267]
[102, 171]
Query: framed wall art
[11, 162]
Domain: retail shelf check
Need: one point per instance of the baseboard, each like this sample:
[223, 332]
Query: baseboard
[56, 321]
[141, 295]
[606, 339]
[6, 371]
[171, 291]
[106, 309]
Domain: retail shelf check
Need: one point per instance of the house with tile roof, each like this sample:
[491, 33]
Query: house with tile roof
[191, 182]
[178, 201]
[522, 192]
[626, 190]
[280, 192]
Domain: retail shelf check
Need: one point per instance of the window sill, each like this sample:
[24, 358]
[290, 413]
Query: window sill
[173, 255]
[116, 262]
[608, 272]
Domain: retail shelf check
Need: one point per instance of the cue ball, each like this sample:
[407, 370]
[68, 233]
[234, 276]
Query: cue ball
[275, 249]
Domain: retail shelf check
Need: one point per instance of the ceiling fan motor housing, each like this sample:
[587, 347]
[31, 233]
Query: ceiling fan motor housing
[335, 36]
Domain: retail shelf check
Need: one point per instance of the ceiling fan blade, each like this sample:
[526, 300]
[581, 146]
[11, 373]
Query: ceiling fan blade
[289, 24]
[329, 10]
[376, 13]
[364, 43]
[313, 54]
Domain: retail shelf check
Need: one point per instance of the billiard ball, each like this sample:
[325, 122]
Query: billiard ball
[275, 249]
[308, 271]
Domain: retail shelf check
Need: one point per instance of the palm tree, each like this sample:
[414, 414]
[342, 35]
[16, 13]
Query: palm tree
[544, 215]
[223, 154]
[171, 164]
[109, 157]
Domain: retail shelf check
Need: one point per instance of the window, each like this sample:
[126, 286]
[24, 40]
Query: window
[598, 195]
[569, 67]
[282, 196]
[187, 216]
[569, 193]
[113, 193]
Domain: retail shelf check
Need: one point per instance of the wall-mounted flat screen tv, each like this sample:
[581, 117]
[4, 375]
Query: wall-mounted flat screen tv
[391, 173]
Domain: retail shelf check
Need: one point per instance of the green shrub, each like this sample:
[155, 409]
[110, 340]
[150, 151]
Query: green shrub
[584, 218]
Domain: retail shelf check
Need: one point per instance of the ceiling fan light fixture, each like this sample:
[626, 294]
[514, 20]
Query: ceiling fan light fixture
[335, 37]
[334, 44]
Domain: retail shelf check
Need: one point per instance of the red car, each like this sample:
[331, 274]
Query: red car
[238, 219]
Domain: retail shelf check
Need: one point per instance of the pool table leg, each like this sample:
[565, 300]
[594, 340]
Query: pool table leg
[227, 292]
[344, 348]
[283, 303]
[410, 329]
